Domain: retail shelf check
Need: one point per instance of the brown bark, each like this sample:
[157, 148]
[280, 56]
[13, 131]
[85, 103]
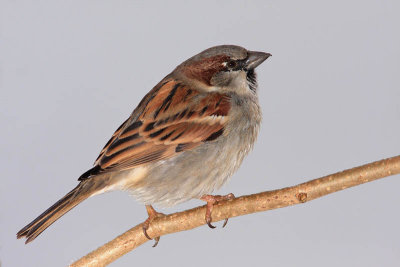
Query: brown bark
[264, 201]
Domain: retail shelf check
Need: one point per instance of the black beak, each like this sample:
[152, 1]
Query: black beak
[256, 58]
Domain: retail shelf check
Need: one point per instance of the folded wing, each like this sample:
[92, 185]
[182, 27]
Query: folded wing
[171, 119]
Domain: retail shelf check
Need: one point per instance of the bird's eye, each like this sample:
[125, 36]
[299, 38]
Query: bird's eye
[232, 64]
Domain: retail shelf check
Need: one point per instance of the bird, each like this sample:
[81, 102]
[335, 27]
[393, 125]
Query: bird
[183, 141]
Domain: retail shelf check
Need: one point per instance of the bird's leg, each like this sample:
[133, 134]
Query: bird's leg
[211, 201]
[152, 215]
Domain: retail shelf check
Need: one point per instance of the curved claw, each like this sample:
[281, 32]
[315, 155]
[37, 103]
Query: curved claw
[145, 232]
[225, 222]
[210, 225]
[156, 239]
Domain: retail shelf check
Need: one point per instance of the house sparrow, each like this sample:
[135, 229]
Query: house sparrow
[184, 140]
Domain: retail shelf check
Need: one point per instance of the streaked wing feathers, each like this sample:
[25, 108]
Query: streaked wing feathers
[172, 118]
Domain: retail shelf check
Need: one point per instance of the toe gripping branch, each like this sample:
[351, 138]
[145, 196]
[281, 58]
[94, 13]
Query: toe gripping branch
[211, 201]
[152, 215]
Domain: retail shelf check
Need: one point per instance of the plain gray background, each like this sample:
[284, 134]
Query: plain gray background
[72, 71]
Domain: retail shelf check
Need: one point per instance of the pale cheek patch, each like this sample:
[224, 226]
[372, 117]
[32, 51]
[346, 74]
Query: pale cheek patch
[239, 82]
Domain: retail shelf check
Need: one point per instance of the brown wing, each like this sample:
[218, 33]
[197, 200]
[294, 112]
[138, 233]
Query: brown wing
[170, 119]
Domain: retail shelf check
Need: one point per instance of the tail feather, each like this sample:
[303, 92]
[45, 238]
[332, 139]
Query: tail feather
[65, 204]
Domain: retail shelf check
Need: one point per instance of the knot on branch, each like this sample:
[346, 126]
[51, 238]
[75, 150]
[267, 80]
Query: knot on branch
[302, 197]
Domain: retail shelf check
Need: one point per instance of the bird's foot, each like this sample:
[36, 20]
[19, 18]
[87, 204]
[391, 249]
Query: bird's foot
[211, 201]
[152, 215]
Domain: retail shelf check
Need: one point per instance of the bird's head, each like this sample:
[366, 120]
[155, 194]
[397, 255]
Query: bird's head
[223, 68]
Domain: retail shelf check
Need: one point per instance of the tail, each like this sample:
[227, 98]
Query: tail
[84, 190]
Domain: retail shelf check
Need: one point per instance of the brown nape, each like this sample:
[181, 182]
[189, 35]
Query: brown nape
[205, 69]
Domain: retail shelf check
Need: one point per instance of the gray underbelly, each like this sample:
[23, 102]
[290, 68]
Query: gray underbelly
[193, 173]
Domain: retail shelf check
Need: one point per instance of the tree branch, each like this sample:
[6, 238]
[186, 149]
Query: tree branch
[269, 200]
